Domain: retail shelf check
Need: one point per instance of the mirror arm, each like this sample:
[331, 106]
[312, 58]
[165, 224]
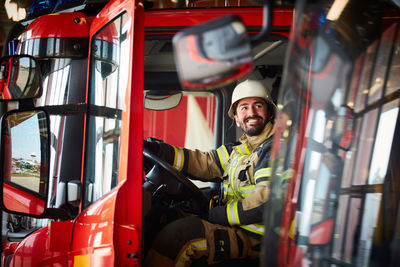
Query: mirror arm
[268, 49]
[266, 26]
[56, 214]
[26, 104]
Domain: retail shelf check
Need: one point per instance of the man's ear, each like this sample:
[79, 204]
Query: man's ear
[236, 120]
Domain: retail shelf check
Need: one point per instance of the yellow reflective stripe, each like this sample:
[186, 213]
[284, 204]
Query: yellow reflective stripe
[81, 260]
[287, 175]
[243, 149]
[232, 213]
[230, 201]
[246, 190]
[254, 228]
[223, 156]
[232, 172]
[200, 245]
[262, 173]
[228, 190]
[293, 228]
[179, 158]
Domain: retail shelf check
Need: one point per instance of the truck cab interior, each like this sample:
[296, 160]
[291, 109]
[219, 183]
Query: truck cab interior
[199, 120]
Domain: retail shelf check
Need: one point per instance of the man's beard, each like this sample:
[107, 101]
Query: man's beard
[255, 129]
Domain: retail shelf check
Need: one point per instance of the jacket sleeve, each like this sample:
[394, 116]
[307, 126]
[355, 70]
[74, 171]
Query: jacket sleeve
[203, 165]
[250, 209]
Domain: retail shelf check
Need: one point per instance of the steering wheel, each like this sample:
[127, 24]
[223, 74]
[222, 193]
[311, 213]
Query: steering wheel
[199, 197]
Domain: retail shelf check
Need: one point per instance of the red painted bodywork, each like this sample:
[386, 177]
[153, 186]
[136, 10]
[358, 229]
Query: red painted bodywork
[17, 200]
[58, 25]
[35, 251]
[110, 229]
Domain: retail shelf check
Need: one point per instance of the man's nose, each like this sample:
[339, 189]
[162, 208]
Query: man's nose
[252, 111]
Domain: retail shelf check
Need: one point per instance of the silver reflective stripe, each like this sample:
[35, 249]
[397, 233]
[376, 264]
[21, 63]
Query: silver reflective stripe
[262, 173]
[254, 228]
[243, 149]
[246, 190]
[223, 156]
[179, 158]
[232, 213]
[233, 167]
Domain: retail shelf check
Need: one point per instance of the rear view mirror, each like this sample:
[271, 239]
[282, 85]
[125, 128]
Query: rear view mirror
[25, 158]
[19, 78]
[161, 102]
[213, 54]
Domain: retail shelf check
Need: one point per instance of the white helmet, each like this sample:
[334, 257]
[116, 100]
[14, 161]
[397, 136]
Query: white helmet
[250, 88]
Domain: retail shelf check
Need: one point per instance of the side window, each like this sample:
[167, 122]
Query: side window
[108, 82]
[189, 125]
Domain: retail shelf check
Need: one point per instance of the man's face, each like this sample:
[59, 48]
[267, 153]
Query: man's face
[251, 115]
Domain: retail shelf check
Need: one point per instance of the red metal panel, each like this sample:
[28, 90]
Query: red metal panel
[168, 125]
[60, 235]
[35, 251]
[191, 17]
[93, 231]
[58, 25]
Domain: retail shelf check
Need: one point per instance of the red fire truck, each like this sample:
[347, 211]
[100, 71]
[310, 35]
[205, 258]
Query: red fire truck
[78, 138]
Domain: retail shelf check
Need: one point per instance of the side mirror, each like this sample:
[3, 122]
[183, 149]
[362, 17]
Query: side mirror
[19, 78]
[25, 159]
[213, 54]
[161, 102]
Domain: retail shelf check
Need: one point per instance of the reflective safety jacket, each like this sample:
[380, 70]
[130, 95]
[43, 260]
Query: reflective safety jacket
[244, 169]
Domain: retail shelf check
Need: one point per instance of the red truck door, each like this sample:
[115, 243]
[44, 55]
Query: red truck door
[107, 232]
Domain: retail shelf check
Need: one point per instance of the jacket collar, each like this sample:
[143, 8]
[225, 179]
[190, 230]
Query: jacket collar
[253, 142]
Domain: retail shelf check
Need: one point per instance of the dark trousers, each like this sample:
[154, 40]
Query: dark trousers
[191, 239]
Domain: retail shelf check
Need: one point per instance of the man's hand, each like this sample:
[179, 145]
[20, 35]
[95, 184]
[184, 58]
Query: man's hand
[152, 147]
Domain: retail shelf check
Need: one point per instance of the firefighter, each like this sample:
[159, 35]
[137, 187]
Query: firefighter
[234, 229]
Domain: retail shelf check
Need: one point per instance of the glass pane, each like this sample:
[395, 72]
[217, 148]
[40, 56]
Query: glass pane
[370, 214]
[109, 77]
[355, 81]
[339, 236]
[365, 144]
[352, 231]
[364, 86]
[351, 156]
[383, 143]
[381, 64]
[394, 77]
